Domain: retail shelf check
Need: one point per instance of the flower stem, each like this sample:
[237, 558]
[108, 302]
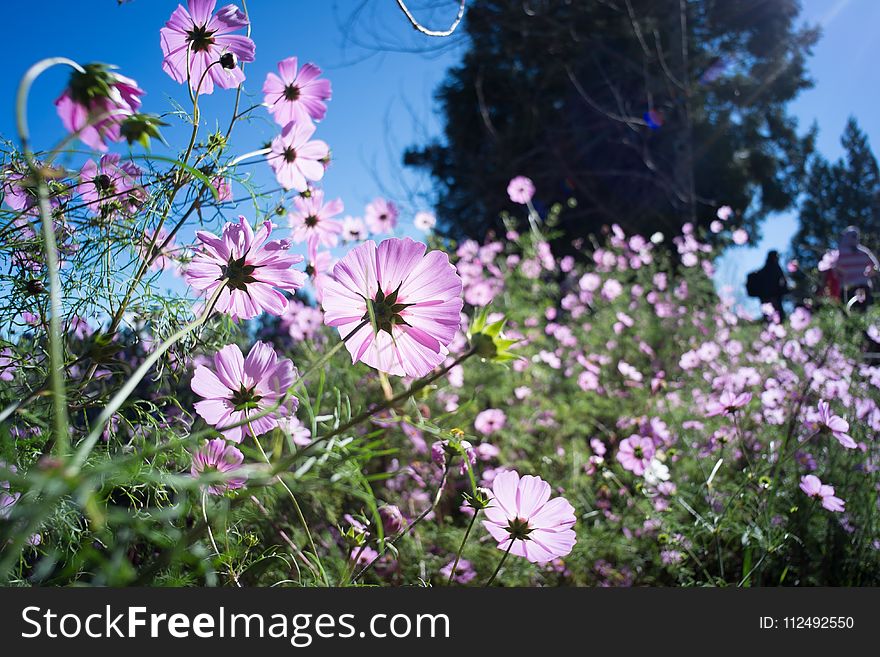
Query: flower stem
[461, 548]
[393, 401]
[50, 247]
[177, 185]
[296, 507]
[211, 536]
[500, 563]
[409, 527]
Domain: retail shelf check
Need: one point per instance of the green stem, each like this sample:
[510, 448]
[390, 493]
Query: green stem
[56, 351]
[211, 537]
[388, 403]
[176, 187]
[500, 563]
[296, 507]
[461, 548]
[235, 115]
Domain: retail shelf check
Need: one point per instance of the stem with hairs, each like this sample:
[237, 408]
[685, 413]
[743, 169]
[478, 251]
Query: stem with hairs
[56, 351]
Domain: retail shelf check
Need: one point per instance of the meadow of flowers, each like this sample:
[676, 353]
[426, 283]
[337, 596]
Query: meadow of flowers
[204, 382]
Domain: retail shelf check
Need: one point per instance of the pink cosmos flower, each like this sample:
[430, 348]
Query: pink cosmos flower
[198, 38]
[296, 95]
[740, 236]
[353, 229]
[8, 366]
[105, 186]
[414, 298]
[19, 192]
[238, 388]
[381, 216]
[521, 511]
[224, 189]
[521, 190]
[464, 571]
[7, 501]
[813, 487]
[489, 421]
[318, 267]
[724, 213]
[218, 456]
[302, 322]
[635, 453]
[299, 433]
[313, 217]
[363, 556]
[296, 160]
[166, 256]
[829, 260]
[441, 448]
[97, 119]
[425, 221]
[252, 269]
[835, 424]
[727, 403]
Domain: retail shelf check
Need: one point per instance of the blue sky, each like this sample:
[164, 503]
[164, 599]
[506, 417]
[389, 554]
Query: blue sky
[383, 101]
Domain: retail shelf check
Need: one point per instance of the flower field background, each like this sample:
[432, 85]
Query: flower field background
[318, 399]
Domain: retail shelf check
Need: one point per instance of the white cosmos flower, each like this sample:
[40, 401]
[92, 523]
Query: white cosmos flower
[656, 472]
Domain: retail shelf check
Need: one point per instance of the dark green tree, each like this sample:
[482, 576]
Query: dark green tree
[837, 195]
[650, 113]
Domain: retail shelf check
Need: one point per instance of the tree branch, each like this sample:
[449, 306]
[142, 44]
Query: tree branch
[433, 33]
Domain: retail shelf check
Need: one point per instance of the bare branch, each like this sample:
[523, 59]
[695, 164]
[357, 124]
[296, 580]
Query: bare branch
[484, 110]
[433, 33]
[629, 120]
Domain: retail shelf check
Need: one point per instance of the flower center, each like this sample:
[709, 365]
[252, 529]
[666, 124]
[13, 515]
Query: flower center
[238, 274]
[291, 92]
[519, 529]
[385, 310]
[289, 154]
[245, 399]
[200, 38]
[311, 221]
[103, 183]
[638, 453]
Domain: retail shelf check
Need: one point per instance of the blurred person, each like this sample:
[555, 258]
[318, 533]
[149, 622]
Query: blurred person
[769, 284]
[856, 268]
[830, 286]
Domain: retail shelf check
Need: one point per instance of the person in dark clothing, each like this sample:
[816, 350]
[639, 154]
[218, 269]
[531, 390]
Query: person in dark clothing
[772, 284]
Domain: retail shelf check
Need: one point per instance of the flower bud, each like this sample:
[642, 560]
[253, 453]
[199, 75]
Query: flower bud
[228, 60]
[392, 519]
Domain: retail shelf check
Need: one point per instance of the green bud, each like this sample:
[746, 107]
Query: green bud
[93, 82]
[488, 341]
[141, 128]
